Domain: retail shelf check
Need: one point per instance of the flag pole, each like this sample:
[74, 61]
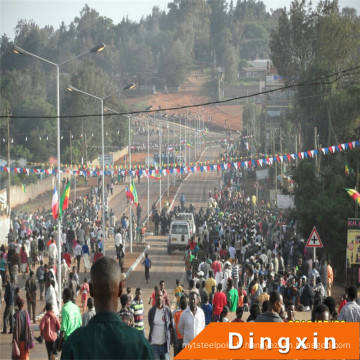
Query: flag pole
[130, 210]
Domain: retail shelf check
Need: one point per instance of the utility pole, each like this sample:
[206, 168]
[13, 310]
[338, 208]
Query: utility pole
[160, 161]
[8, 161]
[296, 149]
[70, 151]
[315, 144]
[168, 160]
[356, 188]
[83, 143]
[86, 157]
[276, 180]
[174, 144]
[281, 167]
[329, 123]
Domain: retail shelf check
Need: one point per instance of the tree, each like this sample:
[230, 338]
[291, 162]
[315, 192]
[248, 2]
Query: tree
[291, 42]
[175, 65]
[322, 202]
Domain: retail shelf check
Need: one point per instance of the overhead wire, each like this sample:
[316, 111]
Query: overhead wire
[339, 75]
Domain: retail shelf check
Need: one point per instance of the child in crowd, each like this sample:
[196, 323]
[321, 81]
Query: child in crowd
[84, 293]
[152, 296]
[147, 264]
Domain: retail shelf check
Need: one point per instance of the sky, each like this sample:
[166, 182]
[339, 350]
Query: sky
[53, 12]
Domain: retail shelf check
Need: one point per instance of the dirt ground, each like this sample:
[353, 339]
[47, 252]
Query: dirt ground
[192, 93]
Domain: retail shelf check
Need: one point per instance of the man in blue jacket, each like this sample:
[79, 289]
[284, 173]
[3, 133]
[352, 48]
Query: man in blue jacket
[162, 329]
[9, 298]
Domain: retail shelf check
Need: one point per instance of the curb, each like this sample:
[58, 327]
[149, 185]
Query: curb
[136, 262]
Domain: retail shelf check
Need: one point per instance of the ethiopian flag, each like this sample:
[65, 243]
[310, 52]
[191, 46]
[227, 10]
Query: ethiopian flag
[354, 194]
[23, 188]
[129, 194]
[133, 192]
[156, 177]
[347, 169]
[188, 144]
[64, 201]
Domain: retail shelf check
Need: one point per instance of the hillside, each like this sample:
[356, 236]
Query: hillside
[191, 93]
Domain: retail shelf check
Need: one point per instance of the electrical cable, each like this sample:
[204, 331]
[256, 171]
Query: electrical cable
[340, 74]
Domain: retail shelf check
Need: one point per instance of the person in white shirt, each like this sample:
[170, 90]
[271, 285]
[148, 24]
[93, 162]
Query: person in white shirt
[53, 252]
[53, 276]
[118, 241]
[18, 247]
[351, 311]
[243, 252]
[232, 251]
[192, 320]
[78, 254]
[65, 269]
[50, 296]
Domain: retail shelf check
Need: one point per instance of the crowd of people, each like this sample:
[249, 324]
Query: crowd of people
[239, 263]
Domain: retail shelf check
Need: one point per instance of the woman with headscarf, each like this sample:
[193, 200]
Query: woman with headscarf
[23, 333]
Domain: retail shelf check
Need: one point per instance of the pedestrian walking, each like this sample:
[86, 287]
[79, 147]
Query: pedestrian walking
[49, 327]
[137, 308]
[162, 330]
[30, 288]
[40, 275]
[192, 320]
[330, 278]
[84, 293]
[85, 254]
[9, 298]
[78, 252]
[147, 264]
[121, 341]
[70, 318]
[138, 213]
[90, 313]
[23, 333]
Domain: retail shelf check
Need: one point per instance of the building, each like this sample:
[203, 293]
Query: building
[275, 105]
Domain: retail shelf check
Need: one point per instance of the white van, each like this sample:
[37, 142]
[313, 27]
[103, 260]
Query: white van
[179, 236]
[190, 218]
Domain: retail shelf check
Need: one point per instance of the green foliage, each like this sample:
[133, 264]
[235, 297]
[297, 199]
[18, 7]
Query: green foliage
[321, 201]
[161, 49]
[19, 151]
[309, 46]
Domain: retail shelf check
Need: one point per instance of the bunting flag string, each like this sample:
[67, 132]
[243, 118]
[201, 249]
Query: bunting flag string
[200, 166]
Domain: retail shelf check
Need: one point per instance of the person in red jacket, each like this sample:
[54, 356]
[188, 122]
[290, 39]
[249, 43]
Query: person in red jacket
[192, 243]
[49, 326]
[219, 301]
[216, 266]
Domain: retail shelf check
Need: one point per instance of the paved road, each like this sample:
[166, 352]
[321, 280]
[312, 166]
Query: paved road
[165, 267]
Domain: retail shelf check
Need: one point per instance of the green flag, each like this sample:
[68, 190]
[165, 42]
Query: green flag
[134, 193]
[64, 201]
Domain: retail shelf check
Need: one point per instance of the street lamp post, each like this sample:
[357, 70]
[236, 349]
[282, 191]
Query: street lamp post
[168, 160]
[174, 156]
[72, 88]
[130, 171]
[130, 174]
[160, 160]
[148, 162]
[148, 167]
[19, 50]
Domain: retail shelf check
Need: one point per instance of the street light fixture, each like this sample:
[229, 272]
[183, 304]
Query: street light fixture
[130, 171]
[127, 87]
[19, 50]
[148, 164]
